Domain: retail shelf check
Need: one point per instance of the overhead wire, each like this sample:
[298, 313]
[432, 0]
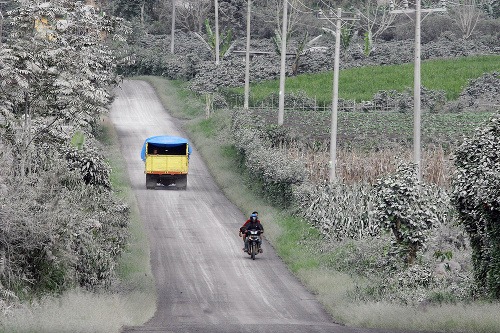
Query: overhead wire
[312, 10]
[298, 10]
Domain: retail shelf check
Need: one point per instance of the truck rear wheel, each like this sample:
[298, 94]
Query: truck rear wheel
[181, 182]
[151, 181]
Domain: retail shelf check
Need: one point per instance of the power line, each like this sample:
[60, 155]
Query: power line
[311, 10]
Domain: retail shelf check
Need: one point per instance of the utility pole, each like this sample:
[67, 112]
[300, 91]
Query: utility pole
[172, 32]
[335, 100]
[217, 32]
[247, 59]
[417, 149]
[335, 93]
[281, 109]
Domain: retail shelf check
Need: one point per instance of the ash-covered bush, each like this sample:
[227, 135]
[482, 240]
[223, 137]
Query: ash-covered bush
[269, 167]
[89, 163]
[337, 210]
[57, 231]
[407, 208]
[210, 77]
[231, 73]
[150, 55]
[434, 26]
[102, 238]
[431, 100]
[489, 28]
[482, 93]
[450, 47]
[476, 196]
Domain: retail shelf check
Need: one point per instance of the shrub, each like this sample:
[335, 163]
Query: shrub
[476, 195]
[338, 211]
[434, 26]
[482, 93]
[90, 164]
[407, 208]
[56, 230]
[269, 167]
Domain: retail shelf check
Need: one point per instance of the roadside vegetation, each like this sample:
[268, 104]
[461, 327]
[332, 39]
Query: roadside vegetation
[131, 297]
[379, 249]
[67, 220]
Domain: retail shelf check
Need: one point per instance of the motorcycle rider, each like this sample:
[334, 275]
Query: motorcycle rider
[242, 234]
[253, 223]
[248, 221]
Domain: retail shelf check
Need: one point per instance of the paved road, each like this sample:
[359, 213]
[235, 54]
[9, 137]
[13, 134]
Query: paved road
[205, 282]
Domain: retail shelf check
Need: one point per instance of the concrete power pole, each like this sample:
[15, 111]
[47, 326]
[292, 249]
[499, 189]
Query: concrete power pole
[247, 59]
[172, 28]
[417, 150]
[335, 92]
[281, 110]
[217, 32]
[416, 76]
[335, 100]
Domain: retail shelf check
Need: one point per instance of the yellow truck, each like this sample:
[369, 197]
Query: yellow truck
[166, 161]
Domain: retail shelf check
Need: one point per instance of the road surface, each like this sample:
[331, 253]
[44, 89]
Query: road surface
[205, 282]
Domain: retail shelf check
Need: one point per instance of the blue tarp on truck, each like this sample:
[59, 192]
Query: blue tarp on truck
[164, 141]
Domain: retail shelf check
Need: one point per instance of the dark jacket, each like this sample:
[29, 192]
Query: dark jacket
[254, 226]
[247, 222]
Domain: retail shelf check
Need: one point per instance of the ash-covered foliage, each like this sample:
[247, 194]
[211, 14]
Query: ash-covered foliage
[482, 93]
[476, 195]
[61, 226]
[407, 208]
[56, 230]
[90, 163]
[338, 210]
[270, 168]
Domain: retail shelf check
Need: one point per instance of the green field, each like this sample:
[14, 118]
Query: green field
[450, 75]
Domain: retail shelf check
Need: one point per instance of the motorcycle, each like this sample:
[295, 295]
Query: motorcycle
[254, 241]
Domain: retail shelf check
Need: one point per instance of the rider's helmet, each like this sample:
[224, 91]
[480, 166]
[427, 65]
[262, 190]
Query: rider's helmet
[253, 217]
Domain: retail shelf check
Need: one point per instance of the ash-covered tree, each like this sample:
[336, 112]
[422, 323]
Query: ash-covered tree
[374, 19]
[406, 207]
[476, 195]
[56, 71]
[467, 15]
[60, 225]
[232, 15]
[191, 14]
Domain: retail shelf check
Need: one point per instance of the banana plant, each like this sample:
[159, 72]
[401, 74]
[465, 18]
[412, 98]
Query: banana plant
[225, 40]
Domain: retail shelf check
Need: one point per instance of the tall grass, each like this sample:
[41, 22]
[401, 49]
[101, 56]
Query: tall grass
[366, 167]
[450, 75]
